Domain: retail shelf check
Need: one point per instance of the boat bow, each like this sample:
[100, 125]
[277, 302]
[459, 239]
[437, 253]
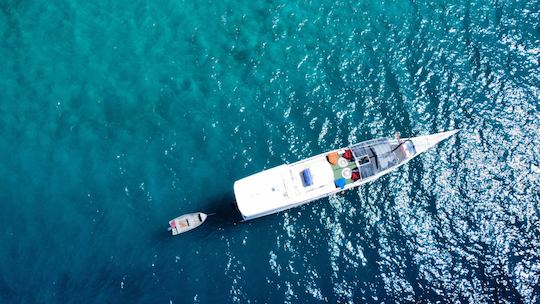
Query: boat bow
[424, 143]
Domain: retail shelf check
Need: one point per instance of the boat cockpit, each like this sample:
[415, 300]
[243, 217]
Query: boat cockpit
[367, 159]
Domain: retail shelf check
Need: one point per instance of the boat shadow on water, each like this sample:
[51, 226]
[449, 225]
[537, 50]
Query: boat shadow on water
[222, 212]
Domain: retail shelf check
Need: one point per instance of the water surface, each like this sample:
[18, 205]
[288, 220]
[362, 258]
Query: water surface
[116, 116]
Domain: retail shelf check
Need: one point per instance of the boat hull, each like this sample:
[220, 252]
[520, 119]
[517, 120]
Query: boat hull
[186, 222]
[288, 186]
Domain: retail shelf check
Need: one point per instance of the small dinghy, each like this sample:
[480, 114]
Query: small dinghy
[186, 222]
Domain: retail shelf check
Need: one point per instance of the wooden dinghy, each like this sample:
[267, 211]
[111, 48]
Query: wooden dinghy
[186, 222]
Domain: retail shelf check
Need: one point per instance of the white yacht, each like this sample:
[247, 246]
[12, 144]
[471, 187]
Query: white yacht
[295, 184]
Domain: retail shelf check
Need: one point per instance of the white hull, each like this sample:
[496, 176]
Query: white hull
[290, 185]
[186, 222]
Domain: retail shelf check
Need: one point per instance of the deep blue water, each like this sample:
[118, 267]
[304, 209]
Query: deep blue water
[116, 116]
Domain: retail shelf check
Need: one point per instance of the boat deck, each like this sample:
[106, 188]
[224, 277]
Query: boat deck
[343, 168]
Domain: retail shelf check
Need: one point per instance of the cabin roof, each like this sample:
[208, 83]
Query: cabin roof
[283, 186]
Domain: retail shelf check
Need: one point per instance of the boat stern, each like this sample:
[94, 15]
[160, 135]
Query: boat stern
[172, 227]
[261, 192]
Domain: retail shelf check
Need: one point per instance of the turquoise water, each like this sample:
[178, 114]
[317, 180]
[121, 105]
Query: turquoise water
[116, 116]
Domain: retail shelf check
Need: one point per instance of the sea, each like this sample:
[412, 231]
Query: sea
[117, 116]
